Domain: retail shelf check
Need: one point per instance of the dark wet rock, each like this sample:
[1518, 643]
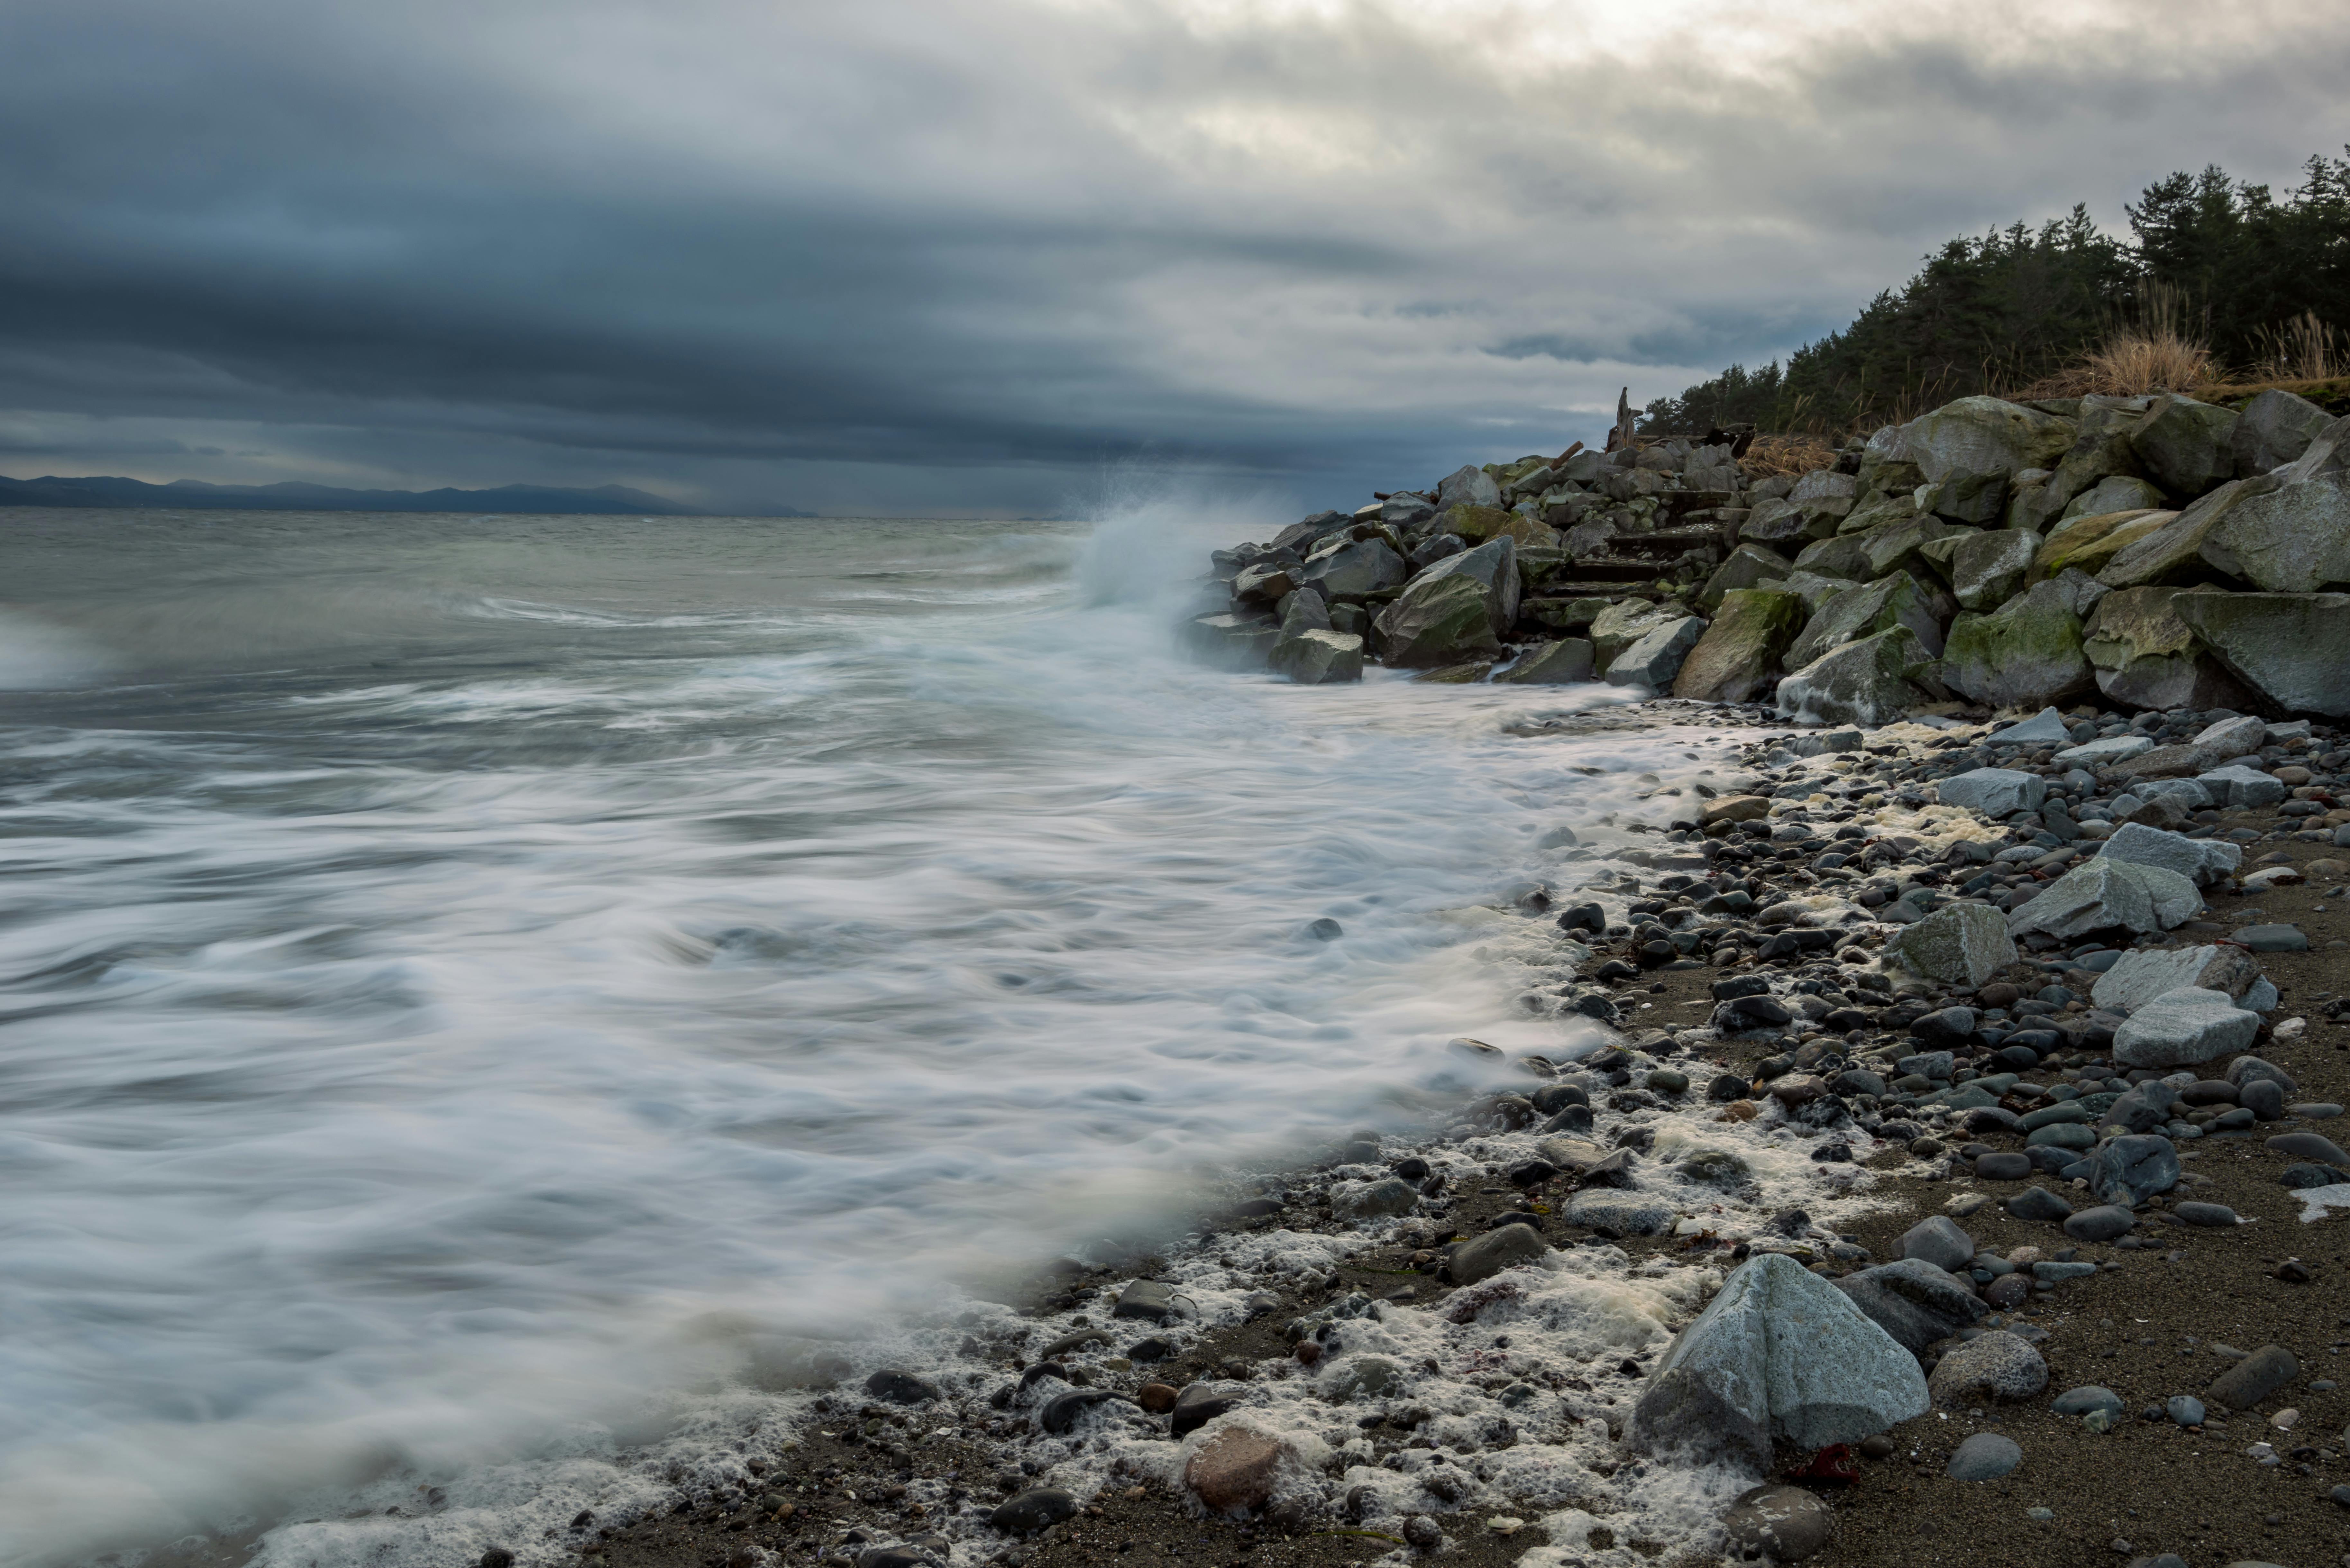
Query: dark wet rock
[1201, 1403]
[2255, 1377]
[1984, 1457]
[1039, 1508]
[1914, 1301]
[1785, 1522]
[900, 1389]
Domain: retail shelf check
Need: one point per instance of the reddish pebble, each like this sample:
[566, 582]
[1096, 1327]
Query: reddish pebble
[1155, 1398]
[1308, 1353]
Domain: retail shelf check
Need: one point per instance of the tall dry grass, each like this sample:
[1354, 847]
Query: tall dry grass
[2159, 352]
[2303, 349]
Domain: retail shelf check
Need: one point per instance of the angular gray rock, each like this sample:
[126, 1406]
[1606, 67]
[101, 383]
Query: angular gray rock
[1994, 792]
[2287, 539]
[1620, 626]
[2045, 728]
[1864, 611]
[1938, 1239]
[1231, 641]
[1495, 1250]
[1998, 1366]
[2145, 656]
[2184, 445]
[1559, 663]
[1749, 566]
[1986, 568]
[1467, 485]
[2115, 493]
[2138, 978]
[2292, 649]
[1970, 449]
[1869, 682]
[1779, 1354]
[1962, 944]
[1656, 658]
[1455, 610]
[2131, 1169]
[2100, 894]
[2202, 861]
[2275, 429]
[2241, 787]
[2184, 1028]
[1317, 657]
[1348, 571]
[1913, 1302]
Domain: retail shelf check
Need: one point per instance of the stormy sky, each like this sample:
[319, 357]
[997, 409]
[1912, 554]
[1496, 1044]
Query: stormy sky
[1009, 256]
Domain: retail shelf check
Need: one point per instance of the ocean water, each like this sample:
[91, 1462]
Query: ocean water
[465, 979]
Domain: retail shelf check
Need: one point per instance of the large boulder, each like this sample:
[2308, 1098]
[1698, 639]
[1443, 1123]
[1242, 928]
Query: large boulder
[2146, 657]
[2174, 552]
[2100, 894]
[2102, 450]
[2026, 654]
[1476, 525]
[1556, 663]
[2184, 445]
[2116, 493]
[1969, 451]
[1779, 1354]
[1961, 945]
[1869, 682]
[2089, 541]
[1987, 567]
[1846, 558]
[2276, 429]
[2293, 649]
[1231, 641]
[1455, 610]
[1900, 547]
[1622, 624]
[1318, 657]
[1749, 566]
[1914, 1301]
[1656, 658]
[2292, 539]
[1740, 652]
[1863, 612]
[1468, 485]
[1348, 571]
[1814, 589]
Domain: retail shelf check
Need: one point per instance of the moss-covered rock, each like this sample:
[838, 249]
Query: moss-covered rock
[1556, 663]
[1749, 566]
[2173, 553]
[2088, 542]
[1626, 622]
[1987, 567]
[2119, 492]
[1870, 682]
[1865, 610]
[2026, 654]
[1899, 547]
[2146, 657]
[1456, 609]
[1738, 654]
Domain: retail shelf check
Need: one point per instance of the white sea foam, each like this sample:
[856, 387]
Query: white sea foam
[415, 1071]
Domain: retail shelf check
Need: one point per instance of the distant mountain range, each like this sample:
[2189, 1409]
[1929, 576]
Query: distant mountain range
[605, 500]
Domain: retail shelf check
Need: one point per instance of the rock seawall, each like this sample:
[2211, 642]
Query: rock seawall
[2150, 553]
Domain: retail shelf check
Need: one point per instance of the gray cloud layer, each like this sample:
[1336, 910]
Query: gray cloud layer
[933, 256]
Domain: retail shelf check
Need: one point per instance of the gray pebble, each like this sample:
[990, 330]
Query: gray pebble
[2204, 1214]
[1984, 1457]
[2103, 1223]
[2081, 1401]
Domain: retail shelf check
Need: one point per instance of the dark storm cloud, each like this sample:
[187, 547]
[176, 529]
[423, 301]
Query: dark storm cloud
[925, 254]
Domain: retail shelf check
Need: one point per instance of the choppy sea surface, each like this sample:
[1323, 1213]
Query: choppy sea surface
[459, 972]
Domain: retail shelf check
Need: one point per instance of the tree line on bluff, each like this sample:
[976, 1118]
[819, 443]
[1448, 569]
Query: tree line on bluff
[2234, 279]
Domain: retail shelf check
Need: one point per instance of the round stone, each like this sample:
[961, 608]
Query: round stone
[1786, 1521]
[1984, 1457]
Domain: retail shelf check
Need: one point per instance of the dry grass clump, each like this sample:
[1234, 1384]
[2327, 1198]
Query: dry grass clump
[2130, 364]
[2303, 349]
[1773, 455]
